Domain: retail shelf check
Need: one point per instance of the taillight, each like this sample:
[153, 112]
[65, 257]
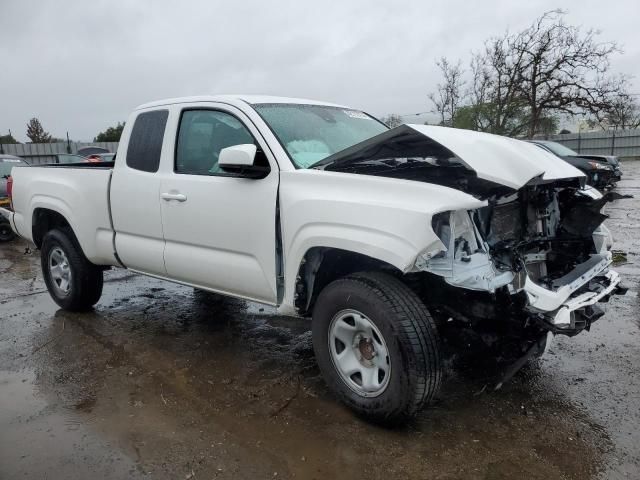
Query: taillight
[10, 190]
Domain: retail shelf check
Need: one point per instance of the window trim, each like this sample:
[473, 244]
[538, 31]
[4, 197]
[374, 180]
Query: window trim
[220, 174]
[164, 134]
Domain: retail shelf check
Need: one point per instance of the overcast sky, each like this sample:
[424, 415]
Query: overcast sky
[81, 66]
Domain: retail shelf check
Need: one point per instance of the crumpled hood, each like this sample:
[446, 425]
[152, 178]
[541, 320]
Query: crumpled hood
[500, 160]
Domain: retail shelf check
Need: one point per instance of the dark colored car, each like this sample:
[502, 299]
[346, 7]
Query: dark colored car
[7, 162]
[87, 151]
[602, 171]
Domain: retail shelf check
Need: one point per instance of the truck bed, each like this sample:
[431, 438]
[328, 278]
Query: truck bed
[77, 192]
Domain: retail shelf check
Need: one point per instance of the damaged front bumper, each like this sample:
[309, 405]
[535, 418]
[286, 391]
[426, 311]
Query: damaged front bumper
[570, 305]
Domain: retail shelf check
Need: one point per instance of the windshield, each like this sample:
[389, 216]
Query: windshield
[310, 133]
[559, 149]
[6, 164]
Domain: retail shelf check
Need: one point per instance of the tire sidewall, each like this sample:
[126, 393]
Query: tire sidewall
[53, 239]
[86, 278]
[340, 296]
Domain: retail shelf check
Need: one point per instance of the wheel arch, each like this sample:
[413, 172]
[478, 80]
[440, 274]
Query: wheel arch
[320, 266]
[44, 220]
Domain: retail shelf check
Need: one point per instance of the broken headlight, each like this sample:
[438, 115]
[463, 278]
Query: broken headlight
[600, 166]
[457, 233]
[461, 257]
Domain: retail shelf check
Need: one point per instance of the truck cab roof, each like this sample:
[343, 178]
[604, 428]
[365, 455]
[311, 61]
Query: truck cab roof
[235, 100]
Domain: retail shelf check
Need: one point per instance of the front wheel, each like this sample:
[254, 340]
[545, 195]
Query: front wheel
[73, 282]
[377, 346]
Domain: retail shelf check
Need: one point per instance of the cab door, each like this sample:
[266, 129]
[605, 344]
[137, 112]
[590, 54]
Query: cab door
[134, 201]
[219, 230]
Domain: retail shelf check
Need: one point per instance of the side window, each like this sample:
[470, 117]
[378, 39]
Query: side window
[201, 136]
[145, 143]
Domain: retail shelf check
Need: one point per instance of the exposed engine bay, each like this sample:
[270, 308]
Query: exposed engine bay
[543, 247]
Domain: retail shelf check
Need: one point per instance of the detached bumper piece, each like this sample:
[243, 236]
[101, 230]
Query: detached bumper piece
[569, 306]
[581, 309]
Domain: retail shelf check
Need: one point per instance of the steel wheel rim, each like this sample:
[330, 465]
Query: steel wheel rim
[359, 353]
[60, 271]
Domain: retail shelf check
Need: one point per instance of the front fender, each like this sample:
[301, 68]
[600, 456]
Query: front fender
[382, 218]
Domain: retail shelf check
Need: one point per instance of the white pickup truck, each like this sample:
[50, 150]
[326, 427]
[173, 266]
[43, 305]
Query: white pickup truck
[385, 237]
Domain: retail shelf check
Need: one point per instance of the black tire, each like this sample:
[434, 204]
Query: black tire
[6, 234]
[85, 287]
[410, 335]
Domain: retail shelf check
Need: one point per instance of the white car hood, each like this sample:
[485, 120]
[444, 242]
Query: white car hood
[501, 160]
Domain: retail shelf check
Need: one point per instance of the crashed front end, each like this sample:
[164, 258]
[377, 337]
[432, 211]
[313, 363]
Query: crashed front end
[543, 249]
[535, 258]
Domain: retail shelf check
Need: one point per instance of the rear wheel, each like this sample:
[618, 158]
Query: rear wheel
[73, 282]
[6, 234]
[377, 346]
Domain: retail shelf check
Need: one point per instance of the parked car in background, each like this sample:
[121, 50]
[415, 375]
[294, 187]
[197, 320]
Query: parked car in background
[602, 171]
[101, 157]
[67, 158]
[7, 162]
[87, 151]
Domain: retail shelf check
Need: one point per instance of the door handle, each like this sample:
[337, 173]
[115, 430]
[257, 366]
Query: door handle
[173, 196]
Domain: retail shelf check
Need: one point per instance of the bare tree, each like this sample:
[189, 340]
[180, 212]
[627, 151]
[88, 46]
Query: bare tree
[36, 133]
[494, 99]
[392, 120]
[448, 95]
[520, 83]
[562, 69]
[622, 112]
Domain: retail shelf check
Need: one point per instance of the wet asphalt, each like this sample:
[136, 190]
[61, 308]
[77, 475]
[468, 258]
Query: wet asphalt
[164, 382]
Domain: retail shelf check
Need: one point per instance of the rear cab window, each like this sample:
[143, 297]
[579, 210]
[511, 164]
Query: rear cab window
[145, 142]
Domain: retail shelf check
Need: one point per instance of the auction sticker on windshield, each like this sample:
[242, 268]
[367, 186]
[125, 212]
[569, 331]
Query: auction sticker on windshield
[356, 114]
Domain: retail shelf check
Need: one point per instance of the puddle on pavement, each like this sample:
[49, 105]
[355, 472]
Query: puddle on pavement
[39, 442]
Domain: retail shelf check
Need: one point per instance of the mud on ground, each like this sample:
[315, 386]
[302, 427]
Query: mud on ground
[161, 382]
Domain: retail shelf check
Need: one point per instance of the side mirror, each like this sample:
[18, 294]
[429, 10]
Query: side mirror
[240, 161]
